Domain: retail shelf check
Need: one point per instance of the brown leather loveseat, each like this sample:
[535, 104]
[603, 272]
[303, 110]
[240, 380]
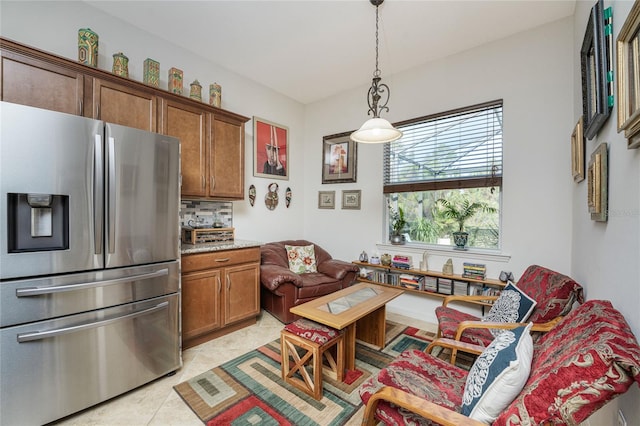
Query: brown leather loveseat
[282, 289]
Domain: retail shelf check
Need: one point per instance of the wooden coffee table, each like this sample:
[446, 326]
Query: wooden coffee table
[359, 309]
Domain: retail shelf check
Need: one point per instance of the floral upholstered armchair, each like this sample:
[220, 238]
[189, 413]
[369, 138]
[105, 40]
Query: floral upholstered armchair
[589, 358]
[553, 295]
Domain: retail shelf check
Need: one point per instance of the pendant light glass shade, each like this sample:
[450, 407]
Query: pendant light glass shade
[376, 130]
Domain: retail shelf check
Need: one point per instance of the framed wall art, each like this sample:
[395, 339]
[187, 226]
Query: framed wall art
[271, 149]
[351, 199]
[628, 69]
[326, 199]
[597, 178]
[339, 157]
[577, 152]
[594, 61]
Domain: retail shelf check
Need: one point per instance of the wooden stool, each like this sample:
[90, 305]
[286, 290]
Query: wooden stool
[307, 342]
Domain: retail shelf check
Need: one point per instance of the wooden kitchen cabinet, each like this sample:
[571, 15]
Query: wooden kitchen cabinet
[124, 105]
[192, 125]
[226, 158]
[41, 84]
[212, 139]
[220, 293]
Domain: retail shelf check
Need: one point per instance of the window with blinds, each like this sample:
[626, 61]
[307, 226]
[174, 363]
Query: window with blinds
[455, 156]
[455, 149]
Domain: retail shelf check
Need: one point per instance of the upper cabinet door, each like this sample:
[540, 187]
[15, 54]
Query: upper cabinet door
[119, 104]
[226, 159]
[36, 83]
[193, 127]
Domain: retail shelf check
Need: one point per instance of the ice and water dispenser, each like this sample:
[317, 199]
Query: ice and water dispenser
[37, 222]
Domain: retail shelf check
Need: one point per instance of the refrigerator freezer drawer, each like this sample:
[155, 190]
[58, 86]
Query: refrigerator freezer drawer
[27, 300]
[69, 364]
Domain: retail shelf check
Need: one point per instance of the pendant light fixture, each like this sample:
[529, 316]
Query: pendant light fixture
[376, 129]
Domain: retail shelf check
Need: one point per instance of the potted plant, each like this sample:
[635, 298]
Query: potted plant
[398, 223]
[461, 212]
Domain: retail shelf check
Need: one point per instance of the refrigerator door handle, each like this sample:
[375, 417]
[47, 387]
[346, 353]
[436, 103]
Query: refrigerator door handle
[38, 291]
[40, 335]
[111, 223]
[98, 194]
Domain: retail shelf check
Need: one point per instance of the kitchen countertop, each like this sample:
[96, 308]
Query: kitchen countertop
[209, 247]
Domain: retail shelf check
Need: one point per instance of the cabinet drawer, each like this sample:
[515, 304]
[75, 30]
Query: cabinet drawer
[218, 259]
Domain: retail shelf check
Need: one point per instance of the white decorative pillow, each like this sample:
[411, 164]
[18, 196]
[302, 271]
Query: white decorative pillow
[498, 375]
[513, 305]
[302, 259]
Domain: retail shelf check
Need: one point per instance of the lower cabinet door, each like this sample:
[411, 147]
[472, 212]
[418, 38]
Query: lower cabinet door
[200, 302]
[242, 292]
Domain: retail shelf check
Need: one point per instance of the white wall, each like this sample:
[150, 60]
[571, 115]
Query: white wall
[53, 27]
[606, 256]
[538, 121]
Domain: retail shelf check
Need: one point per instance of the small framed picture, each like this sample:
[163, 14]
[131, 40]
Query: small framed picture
[339, 159]
[594, 63]
[628, 57]
[577, 152]
[326, 199]
[271, 149]
[597, 182]
[351, 199]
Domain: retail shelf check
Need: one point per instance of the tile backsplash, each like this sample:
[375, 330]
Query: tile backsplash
[206, 213]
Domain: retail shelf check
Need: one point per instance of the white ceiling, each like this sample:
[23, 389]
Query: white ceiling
[312, 49]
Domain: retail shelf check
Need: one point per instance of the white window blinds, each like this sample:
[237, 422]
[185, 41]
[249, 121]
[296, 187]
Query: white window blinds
[454, 149]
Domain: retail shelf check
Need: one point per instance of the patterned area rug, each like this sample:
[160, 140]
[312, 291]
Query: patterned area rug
[248, 390]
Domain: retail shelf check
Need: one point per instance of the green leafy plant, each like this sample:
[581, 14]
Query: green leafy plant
[398, 221]
[463, 211]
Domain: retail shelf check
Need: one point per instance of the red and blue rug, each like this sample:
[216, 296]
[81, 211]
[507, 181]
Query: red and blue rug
[248, 390]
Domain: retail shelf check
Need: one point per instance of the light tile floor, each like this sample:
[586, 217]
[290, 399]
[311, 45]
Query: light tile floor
[158, 404]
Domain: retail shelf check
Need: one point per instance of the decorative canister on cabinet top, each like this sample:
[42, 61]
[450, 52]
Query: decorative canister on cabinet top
[120, 65]
[151, 72]
[196, 90]
[215, 95]
[87, 47]
[175, 81]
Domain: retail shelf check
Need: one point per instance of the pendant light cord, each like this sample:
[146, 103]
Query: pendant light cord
[376, 73]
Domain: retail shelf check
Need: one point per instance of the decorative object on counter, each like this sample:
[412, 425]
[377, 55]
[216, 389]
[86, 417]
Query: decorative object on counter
[447, 268]
[88, 47]
[206, 235]
[363, 257]
[271, 199]
[287, 197]
[175, 81]
[271, 149]
[215, 95]
[120, 65]
[597, 173]
[506, 276]
[375, 260]
[252, 194]
[196, 90]
[151, 72]
[385, 259]
[326, 199]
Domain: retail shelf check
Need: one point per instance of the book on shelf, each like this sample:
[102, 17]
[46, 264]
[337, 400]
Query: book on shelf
[401, 262]
[459, 288]
[430, 284]
[414, 282]
[474, 270]
[444, 285]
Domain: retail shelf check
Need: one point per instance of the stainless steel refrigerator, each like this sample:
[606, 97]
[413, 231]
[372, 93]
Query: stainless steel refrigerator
[89, 249]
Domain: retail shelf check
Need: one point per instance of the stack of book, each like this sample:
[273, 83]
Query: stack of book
[474, 270]
[444, 285]
[412, 281]
[430, 284]
[401, 262]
